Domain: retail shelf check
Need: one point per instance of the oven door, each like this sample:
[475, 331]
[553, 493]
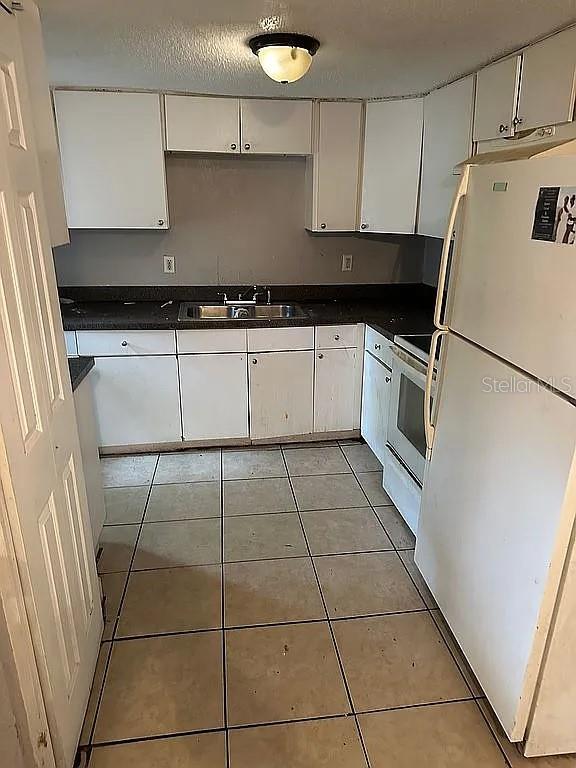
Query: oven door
[406, 433]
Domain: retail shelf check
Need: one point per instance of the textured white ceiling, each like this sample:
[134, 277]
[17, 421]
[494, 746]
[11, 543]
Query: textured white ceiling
[369, 48]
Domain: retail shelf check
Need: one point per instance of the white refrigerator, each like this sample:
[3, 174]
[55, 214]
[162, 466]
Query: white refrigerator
[496, 533]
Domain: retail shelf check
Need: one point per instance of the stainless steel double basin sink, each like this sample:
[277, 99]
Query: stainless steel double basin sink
[190, 310]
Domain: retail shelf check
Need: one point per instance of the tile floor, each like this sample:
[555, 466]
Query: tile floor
[264, 609]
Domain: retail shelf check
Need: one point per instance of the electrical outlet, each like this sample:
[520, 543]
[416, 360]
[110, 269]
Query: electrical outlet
[169, 265]
[346, 262]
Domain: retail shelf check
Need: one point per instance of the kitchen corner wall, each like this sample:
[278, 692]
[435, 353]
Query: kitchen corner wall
[235, 220]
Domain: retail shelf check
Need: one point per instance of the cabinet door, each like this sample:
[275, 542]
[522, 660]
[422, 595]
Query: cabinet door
[496, 96]
[112, 160]
[391, 174]
[334, 169]
[376, 384]
[214, 394]
[281, 393]
[202, 124]
[548, 81]
[337, 390]
[276, 127]
[137, 400]
[448, 116]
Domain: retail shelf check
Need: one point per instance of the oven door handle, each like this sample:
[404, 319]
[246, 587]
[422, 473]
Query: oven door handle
[429, 427]
[442, 274]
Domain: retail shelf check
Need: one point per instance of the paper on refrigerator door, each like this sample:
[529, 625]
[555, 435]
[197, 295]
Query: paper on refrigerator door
[555, 215]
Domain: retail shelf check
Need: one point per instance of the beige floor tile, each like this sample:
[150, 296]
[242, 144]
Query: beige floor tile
[127, 470]
[125, 505]
[201, 750]
[255, 537]
[361, 458]
[396, 528]
[463, 665]
[183, 501]
[188, 467]
[117, 542]
[256, 497]
[315, 461]
[113, 588]
[97, 684]
[172, 600]
[328, 492]
[512, 751]
[271, 592]
[284, 672]
[330, 531]
[252, 464]
[371, 483]
[407, 557]
[440, 736]
[311, 744]
[162, 685]
[182, 542]
[397, 661]
[357, 585]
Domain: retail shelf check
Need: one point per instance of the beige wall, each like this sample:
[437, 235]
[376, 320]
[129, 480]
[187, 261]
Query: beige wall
[235, 220]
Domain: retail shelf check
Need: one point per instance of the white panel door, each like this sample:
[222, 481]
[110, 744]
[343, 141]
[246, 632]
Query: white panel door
[337, 390]
[276, 126]
[112, 159]
[137, 400]
[376, 383]
[40, 462]
[202, 124]
[448, 115]
[509, 293]
[548, 81]
[281, 393]
[496, 97]
[494, 525]
[214, 395]
[391, 173]
[336, 167]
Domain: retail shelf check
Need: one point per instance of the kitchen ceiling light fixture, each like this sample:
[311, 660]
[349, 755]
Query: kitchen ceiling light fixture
[284, 56]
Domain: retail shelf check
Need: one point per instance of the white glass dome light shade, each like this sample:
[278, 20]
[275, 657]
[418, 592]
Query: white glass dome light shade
[284, 57]
[283, 63]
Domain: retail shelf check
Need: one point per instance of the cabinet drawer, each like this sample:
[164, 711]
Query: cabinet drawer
[213, 340]
[337, 336]
[280, 339]
[378, 345]
[120, 343]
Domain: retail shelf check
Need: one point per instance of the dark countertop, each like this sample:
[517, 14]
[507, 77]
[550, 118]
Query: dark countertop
[79, 368]
[389, 309]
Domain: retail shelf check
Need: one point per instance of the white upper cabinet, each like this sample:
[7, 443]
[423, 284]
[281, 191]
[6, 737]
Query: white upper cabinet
[448, 114]
[333, 171]
[276, 127]
[496, 97]
[202, 124]
[391, 172]
[112, 159]
[548, 81]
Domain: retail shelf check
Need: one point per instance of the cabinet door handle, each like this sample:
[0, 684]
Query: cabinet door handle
[388, 379]
[503, 128]
[320, 357]
[363, 226]
[246, 146]
[377, 346]
[336, 338]
[232, 146]
[322, 226]
[160, 222]
[517, 121]
[124, 343]
[254, 361]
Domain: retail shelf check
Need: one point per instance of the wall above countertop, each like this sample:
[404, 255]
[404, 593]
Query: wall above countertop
[235, 222]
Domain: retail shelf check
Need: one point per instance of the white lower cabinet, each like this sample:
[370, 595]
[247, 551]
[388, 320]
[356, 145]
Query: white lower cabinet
[281, 393]
[377, 380]
[337, 390]
[137, 400]
[214, 395]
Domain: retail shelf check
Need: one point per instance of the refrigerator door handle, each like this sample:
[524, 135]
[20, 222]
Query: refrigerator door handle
[460, 193]
[429, 427]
